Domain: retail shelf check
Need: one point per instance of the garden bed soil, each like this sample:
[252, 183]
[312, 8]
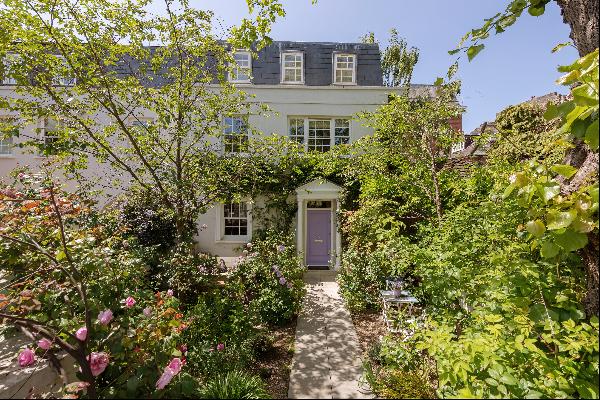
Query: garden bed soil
[369, 327]
[274, 365]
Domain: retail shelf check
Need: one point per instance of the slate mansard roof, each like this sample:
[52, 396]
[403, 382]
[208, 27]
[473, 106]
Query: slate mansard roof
[266, 64]
[318, 62]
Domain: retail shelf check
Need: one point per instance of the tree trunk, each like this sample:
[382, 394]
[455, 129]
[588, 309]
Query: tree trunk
[582, 17]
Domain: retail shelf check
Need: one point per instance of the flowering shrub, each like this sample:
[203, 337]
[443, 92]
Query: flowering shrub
[269, 275]
[76, 288]
[187, 272]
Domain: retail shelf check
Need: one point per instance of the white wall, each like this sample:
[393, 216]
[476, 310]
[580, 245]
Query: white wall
[283, 100]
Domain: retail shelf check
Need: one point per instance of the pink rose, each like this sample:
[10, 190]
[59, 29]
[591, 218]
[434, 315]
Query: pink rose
[280, 248]
[98, 362]
[175, 365]
[26, 357]
[105, 317]
[282, 281]
[81, 333]
[147, 312]
[220, 347]
[170, 292]
[129, 302]
[170, 371]
[44, 344]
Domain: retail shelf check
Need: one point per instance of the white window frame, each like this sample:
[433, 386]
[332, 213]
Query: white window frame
[7, 62]
[335, 68]
[283, 67]
[234, 73]
[306, 126]
[8, 143]
[6, 146]
[220, 225]
[63, 80]
[247, 134]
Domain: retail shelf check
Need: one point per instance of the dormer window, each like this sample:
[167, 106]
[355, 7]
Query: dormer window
[292, 67]
[345, 69]
[242, 68]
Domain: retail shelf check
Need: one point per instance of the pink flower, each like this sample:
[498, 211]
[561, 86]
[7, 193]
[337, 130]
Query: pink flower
[170, 292]
[98, 362]
[282, 281]
[129, 302]
[81, 333]
[183, 348]
[280, 248]
[105, 317]
[44, 344]
[147, 312]
[289, 285]
[220, 347]
[26, 357]
[170, 371]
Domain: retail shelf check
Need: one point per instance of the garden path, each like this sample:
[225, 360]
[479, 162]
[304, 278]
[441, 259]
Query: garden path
[326, 363]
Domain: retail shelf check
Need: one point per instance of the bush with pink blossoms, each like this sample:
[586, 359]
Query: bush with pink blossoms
[91, 290]
[271, 278]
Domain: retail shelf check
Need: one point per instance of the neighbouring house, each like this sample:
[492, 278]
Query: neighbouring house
[315, 90]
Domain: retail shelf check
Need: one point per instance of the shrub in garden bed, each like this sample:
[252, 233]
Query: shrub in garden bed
[187, 272]
[395, 369]
[234, 385]
[222, 335]
[80, 287]
[364, 272]
[269, 276]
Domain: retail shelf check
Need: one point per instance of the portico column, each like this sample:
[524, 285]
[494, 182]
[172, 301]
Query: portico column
[300, 229]
[338, 237]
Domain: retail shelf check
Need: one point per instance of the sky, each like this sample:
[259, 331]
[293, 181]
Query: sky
[514, 66]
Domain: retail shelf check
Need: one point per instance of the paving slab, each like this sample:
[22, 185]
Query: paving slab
[326, 362]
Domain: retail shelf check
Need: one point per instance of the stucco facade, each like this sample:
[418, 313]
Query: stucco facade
[317, 97]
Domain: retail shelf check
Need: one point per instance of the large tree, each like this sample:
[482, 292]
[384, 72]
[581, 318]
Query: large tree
[579, 116]
[93, 69]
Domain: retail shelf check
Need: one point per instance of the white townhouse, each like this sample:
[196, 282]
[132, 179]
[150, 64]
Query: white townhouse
[315, 90]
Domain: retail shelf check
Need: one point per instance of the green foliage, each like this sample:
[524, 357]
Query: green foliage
[397, 370]
[398, 62]
[188, 272]
[77, 72]
[222, 334]
[65, 267]
[361, 277]
[269, 276]
[234, 385]
[525, 134]
[148, 221]
[498, 24]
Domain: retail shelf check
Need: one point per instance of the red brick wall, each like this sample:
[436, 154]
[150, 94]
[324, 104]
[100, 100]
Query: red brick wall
[456, 123]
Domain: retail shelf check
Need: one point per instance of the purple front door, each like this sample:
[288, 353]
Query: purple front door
[318, 237]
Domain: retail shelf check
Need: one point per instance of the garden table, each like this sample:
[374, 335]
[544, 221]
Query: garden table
[400, 313]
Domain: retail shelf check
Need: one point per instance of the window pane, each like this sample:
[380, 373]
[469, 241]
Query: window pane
[342, 131]
[319, 133]
[297, 130]
[241, 71]
[292, 67]
[235, 219]
[6, 145]
[236, 134]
